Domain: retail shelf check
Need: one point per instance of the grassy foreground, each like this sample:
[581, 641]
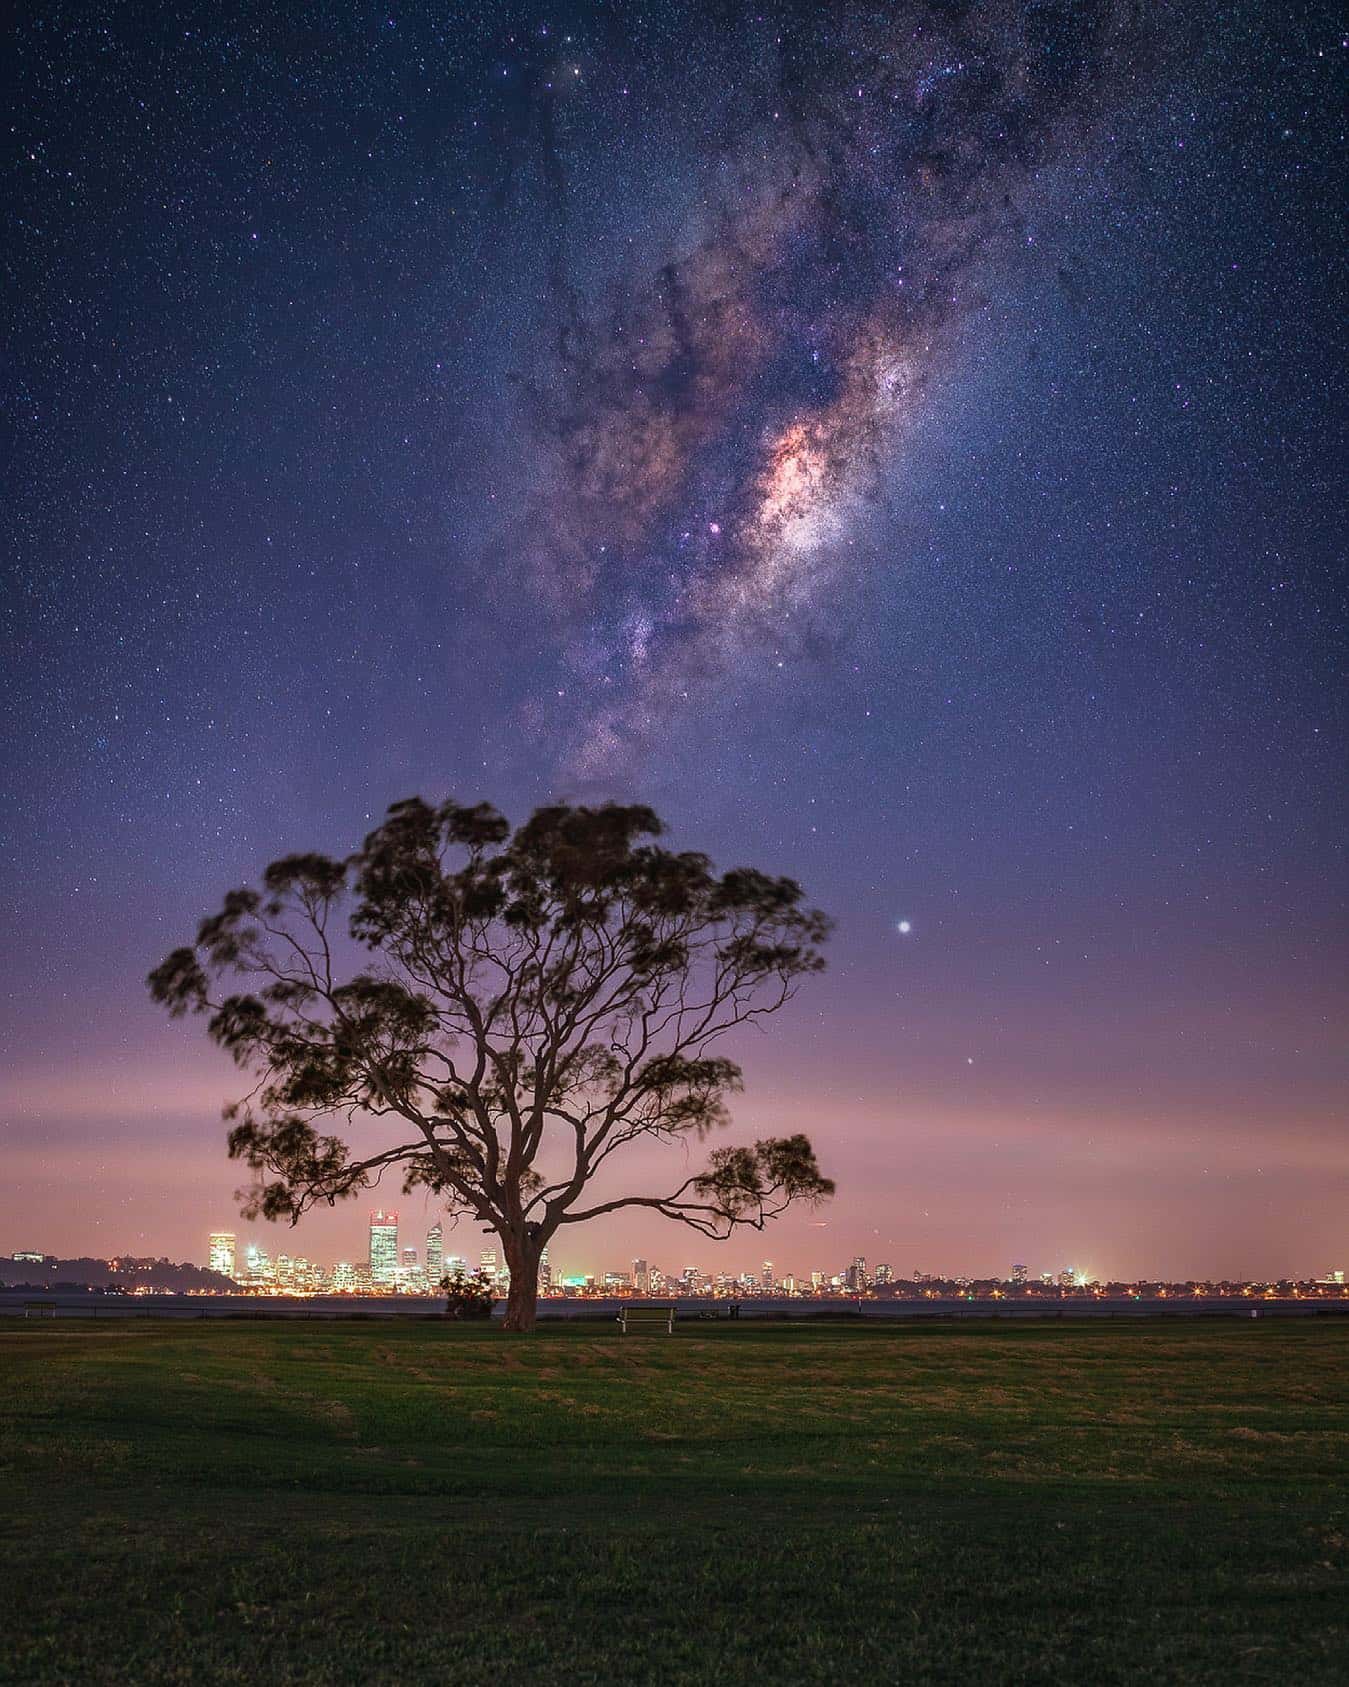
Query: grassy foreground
[407, 1503]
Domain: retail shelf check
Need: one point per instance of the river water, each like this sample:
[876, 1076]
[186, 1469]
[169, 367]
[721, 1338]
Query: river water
[21, 1303]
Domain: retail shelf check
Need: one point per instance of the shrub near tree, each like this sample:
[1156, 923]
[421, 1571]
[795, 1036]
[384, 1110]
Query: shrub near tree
[466, 1297]
[535, 1004]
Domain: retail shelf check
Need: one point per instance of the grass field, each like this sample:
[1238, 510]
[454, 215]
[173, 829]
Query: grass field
[357, 1502]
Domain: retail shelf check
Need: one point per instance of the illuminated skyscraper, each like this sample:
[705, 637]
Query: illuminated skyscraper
[221, 1255]
[435, 1254]
[409, 1259]
[487, 1265]
[383, 1247]
[1018, 1275]
[545, 1273]
[766, 1277]
[641, 1276]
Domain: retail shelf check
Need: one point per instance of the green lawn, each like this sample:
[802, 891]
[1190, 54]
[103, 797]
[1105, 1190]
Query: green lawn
[261, 1503]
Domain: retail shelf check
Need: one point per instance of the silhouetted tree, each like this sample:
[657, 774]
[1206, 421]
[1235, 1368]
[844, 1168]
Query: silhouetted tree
[538, 1001]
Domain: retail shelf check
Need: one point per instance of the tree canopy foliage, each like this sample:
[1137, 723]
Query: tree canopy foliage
[531, 1003]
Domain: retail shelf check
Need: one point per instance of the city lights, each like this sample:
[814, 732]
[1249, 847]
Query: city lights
[396, 1265]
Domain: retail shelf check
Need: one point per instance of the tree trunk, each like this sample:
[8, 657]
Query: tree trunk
[522, 1299]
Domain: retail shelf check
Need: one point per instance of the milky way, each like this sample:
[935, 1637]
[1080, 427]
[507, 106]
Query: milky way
[721, 430]
[896, 441]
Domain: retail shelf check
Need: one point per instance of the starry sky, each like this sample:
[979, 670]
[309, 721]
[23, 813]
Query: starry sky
[899, 442]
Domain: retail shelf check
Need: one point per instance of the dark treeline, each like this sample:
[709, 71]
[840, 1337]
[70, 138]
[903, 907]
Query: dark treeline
[123, 1272]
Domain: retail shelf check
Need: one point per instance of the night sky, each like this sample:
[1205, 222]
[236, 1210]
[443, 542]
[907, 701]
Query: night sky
[899, 443]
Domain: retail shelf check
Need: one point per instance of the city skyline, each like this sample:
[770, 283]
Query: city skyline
[255, 1271]
[389, 1260]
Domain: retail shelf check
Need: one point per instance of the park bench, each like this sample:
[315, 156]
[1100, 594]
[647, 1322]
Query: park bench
[646, 1317]
[39, 1309]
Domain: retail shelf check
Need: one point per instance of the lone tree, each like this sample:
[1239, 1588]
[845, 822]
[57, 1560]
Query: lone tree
[535, 1003]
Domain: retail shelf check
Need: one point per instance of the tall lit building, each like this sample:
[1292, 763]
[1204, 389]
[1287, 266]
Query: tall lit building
[857, 1274]
[1018, 1275]
[766, 1277]
[409, 1259]
[545, 1273]
[435, 1254]
[383, 1247]
[488, 1266]
[221, 1254]
[884, 1274]
[641, 1276]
